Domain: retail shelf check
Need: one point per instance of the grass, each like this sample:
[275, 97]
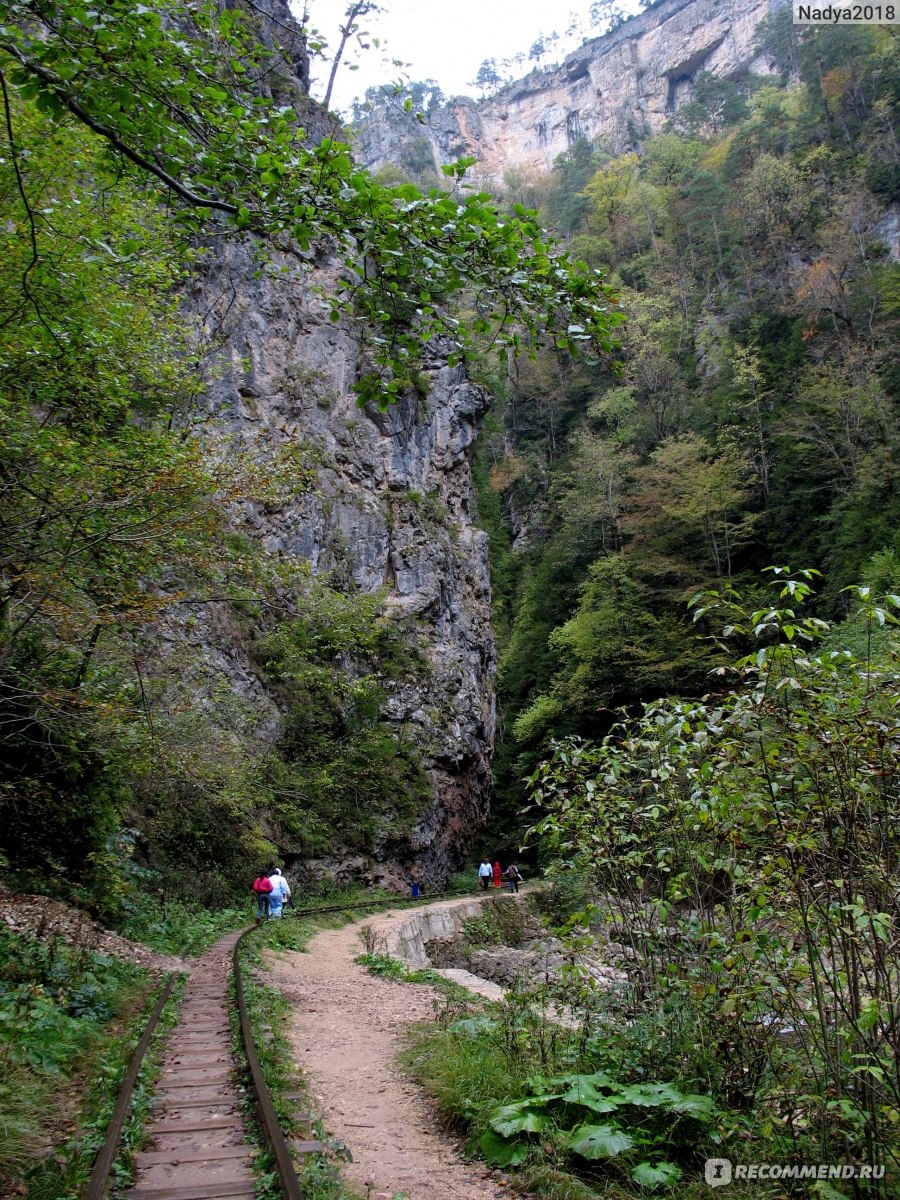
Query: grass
[466, 1077]
[471, 1066]
[173, 927]
[69, 1019]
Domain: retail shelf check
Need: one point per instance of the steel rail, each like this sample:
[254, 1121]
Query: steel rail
[96, 1187]
[271, 1128]
[275, 1139]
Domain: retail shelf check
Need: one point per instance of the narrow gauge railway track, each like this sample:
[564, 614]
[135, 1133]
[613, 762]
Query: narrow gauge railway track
[198, 1148]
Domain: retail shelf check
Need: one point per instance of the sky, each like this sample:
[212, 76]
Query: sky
[444, 40]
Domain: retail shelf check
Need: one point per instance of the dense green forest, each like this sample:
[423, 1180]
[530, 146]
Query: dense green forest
[754, 419]
[702, 738]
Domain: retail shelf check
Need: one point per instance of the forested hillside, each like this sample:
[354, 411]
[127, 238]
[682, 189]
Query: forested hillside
[696, 562]
[753, 420]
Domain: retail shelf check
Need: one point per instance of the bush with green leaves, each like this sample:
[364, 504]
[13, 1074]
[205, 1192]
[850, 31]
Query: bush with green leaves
[522, 1088]
[173, 926]
[567, 894]
[599, 1120]
[342, 774]
[746, 849]
[500, 922]
[65, 1017]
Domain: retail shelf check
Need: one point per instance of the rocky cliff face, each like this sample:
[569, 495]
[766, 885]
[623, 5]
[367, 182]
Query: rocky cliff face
[390, 509]
[622, 86]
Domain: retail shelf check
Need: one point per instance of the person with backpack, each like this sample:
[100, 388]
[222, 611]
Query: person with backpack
[262, 889]
[513, 877]
[279, 894]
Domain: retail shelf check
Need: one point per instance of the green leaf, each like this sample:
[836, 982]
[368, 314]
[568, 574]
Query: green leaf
[502, 1152]
[583, 1090]
[653, 1175]
[599, 1141]
[650, 1095]
[518, 1118]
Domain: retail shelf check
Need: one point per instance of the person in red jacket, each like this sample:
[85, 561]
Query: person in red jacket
[262, 889]
[497, 873]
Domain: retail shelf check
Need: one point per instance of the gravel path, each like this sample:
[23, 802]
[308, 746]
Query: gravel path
[346, 1031]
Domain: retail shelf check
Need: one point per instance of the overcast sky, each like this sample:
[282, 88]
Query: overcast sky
[445, 40]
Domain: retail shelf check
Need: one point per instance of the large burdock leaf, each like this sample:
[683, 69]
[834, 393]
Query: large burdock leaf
[583, 1090]
[502, 1152]
[518, 1118]
[653, 1175]
[651, 1095]
[599, 1141]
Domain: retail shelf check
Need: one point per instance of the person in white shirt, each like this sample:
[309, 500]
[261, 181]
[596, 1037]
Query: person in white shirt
[279, 893]
[486, 873]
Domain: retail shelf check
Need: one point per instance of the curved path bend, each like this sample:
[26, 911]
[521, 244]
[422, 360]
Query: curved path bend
[346, 1030]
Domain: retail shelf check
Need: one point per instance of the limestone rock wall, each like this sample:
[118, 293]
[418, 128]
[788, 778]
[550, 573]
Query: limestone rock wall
[390, 507]
[622, 86]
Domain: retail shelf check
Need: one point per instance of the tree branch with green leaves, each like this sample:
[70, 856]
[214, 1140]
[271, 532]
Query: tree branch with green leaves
[169, 87]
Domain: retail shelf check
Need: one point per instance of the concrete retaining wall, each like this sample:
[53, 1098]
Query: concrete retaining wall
[407, 941]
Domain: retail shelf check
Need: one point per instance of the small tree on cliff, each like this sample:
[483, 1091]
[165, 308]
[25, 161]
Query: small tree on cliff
[488, 79]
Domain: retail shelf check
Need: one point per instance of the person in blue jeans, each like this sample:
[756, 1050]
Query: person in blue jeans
[485, 873]
[262, 889]
[513, 877]
[280, 892]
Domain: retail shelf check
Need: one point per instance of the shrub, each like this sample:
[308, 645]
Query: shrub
[747, 849]
[63, 1020]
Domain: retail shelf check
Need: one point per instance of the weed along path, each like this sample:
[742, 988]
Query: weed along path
[346, 1031]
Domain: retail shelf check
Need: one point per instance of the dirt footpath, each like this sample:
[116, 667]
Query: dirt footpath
[346, 1031]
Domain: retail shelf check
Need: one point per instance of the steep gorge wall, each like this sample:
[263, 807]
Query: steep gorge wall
[390, 510]
[622, 86]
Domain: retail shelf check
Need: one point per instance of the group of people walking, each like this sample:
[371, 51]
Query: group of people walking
[489, 875]
[272, 892]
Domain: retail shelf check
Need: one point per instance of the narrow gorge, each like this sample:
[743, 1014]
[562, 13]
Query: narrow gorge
[388, 507]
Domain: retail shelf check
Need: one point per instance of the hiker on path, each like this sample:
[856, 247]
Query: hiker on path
[497, 873]
[262, 890]
[485, 873]
[513, 877]
[280, 892]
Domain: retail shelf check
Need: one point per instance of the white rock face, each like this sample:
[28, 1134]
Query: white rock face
[390, 507]
[622, 86]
